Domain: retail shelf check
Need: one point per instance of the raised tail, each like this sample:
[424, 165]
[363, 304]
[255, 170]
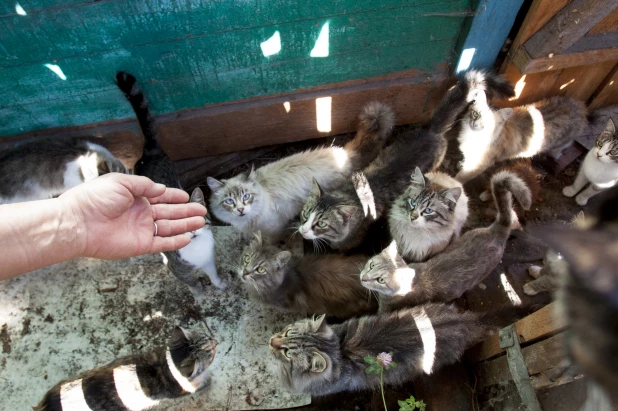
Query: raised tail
[376, 123]
[127, 83]
[504, 185]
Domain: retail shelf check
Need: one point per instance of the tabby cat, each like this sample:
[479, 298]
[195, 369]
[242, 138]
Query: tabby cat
[457, 269]
[268, 198]
[156, 165]
[343, 215]
[320, 359]
[488, 136]
[308, 285]
[48, 167]
[600, 167]
[138, 382]
[428, 216]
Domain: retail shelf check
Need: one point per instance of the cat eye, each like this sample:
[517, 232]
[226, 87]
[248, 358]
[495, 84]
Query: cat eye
[412, 203]
[381, 280]
[229, 201]
[246, 259]
[428, 211]
[371, 265]
[260, 270]
[613, 152]
[304, 215]
[246, 197]
[475, 114]
[599, 144]
[286, 353]
[288, 333]
[321, 224]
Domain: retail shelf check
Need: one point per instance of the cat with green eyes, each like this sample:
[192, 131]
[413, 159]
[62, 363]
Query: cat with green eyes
[428, 216]
[461, 266]
[600, 167]
[310, 284]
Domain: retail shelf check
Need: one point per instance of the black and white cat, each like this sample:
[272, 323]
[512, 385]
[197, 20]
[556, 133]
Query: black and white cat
[156, 165]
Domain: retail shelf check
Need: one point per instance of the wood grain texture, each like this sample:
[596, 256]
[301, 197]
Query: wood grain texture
[608, 94]
[191, 54]
[581, 82]
[567, 26]
[608, 24]
[526, 64]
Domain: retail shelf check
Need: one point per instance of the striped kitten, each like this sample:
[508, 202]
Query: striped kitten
[599, 169]
[488, 136]
[199, 254]
[320, 359]
[343, 215]
[428, 216]
[454, 271]
[268, 198]
[46, 168]
[138, 382]
[307, 285]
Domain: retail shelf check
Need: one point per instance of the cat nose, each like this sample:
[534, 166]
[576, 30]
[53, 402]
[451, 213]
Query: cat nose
[413, 217]
[275, 341]
[245, 272]
[241, 209]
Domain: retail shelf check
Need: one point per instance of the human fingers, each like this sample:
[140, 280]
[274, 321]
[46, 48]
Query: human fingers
[160, 244]
[139, 186]
[177, 211]
[170, 196]
[168, 228]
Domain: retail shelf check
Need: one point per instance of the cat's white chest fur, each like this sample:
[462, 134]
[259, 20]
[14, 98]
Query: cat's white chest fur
[200, 250]
[597, 172]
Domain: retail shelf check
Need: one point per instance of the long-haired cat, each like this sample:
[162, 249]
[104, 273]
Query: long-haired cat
[138, 382]
[428, 216]
[156, 165]
[488, 136]
[343, 215]
[46, 168]
[268, 198]
[461, 266]
[320, 359]
[588, 296]
[599, 169]
[308, 285]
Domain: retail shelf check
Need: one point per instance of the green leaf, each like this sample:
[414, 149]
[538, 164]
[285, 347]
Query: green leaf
[373, 369]
[402, 403]
[370, 360]
[421, 405]
[391, 365]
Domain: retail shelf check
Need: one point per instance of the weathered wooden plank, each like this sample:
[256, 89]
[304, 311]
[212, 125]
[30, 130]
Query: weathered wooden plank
[581, 82]
[539, 324]
[526, 64]
[607, 92]
[609, 23]
[594, 42]
[568, 26]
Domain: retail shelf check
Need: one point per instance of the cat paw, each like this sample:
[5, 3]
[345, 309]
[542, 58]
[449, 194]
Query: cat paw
[581, 200]
[534, 271]
[528, 290]
[485, 196]
[569, 191]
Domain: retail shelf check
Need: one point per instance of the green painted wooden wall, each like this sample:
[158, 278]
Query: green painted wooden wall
[192, 53]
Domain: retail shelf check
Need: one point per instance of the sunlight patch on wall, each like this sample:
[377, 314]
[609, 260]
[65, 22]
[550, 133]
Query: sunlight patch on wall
[323, 113]
[56, 69]
[20, 10]
[519, 87]
[510, 291]
[321, 44]
[466, 59]
[287, 106]
[565, 85]
[272, 45]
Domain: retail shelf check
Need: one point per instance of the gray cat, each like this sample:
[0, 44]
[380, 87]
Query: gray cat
[268, 198]
[308, 285]
[343, 215]
[320, 359]
[48, 167]
[138, 382]
[156, 165]
[457, 269]
[428, 216]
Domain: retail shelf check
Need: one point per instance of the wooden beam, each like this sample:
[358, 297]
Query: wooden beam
[526, 64]
[607, 92]
[539, 324]
[594, 42]
[568, 26]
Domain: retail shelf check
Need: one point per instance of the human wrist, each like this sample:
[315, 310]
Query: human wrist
[71, 232]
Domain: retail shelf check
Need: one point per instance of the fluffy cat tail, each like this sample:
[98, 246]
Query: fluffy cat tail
[504, 185]
[452, 105]
[376, 123]
[127, 84]
[492, 84]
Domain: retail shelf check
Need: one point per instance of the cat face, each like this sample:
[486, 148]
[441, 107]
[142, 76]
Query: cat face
[193, 352]
[474, 117]
[606, 147]
[238, 199]
[323, 217]
[422, 206]
[387, 273]
[262, 267]
[306, 351]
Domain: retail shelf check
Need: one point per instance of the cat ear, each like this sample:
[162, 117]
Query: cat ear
[258, 237]
[214, 184]
[283, 257]
[251, 175]
[610, 129]
[317, 322]
[391, 250]
[104, 167]
[197, 196]
[316, 190]
[505, 113]
[452, 194]
[417, 177]
[347, 211]
[318, 362]
[179, 337]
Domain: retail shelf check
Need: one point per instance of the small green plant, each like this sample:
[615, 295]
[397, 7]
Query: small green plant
[377, 365]
[411, 404]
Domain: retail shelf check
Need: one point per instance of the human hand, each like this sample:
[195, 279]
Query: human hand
[114, 215]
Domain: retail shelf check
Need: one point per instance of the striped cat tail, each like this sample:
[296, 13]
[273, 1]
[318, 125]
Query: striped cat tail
[376, 123]
[504, 185]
